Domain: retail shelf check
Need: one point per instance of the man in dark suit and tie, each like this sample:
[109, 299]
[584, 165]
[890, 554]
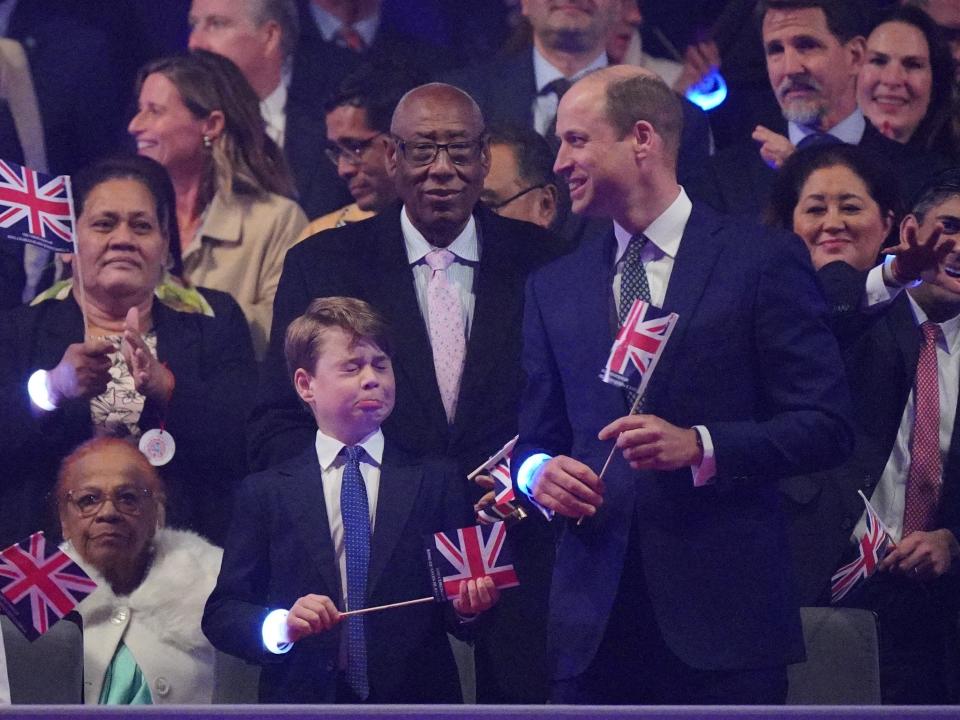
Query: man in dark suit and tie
[674, 588]
[814, 50]
[904, 370]
[457, 358]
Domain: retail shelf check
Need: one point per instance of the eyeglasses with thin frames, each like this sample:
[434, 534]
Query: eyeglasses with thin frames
[351, 151]
[497, 206]
[129, 500]
[461, 152]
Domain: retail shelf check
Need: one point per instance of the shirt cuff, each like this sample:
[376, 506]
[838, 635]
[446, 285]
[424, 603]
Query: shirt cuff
[274, 632]
[706, 471]
[882, 287]
[525, 475]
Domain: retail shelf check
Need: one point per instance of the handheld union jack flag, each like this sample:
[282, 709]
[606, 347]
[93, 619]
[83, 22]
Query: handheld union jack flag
[35, 208]
[468, 554]
[637, 348]
[874, 545]
[38, 587]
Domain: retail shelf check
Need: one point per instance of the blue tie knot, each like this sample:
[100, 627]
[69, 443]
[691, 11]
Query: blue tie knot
[354, 453]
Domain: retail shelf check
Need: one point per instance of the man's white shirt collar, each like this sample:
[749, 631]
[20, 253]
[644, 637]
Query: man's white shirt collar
[273, 108]
[950, 328]
[849, 130]
[544, 73]
[465, 246]
[328, 448]
[665, 231]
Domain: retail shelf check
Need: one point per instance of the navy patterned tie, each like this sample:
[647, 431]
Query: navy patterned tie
[356, 538]
[633, 285]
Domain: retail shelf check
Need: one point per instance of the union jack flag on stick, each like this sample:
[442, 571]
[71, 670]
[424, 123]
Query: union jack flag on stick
[637, 348]
[503, 507]
[36, 208]
[469, 554]
[876, 542]
[39, 587]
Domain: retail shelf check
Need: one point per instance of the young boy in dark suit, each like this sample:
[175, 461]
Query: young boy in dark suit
[341, 528]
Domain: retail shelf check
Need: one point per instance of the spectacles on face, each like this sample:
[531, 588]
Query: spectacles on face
[127, 500]
[461, 152]
[351, 151]
[497, 206]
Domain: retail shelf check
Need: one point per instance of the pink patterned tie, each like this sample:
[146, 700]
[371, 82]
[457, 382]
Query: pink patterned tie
[925, 480]
[447, 332]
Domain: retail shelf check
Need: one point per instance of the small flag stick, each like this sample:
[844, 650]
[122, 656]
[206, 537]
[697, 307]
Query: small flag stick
[603, 470]
[364, 611]
[495, 458]
[77, 273]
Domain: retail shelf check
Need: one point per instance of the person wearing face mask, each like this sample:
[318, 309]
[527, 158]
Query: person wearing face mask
[142, 642]
[904, 87]
[117, 352]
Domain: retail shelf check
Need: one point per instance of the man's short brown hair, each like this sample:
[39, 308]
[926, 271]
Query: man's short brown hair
[641, 97]
[304, 339]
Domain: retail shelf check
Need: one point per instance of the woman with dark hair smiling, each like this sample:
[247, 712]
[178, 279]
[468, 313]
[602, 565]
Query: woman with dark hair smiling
[905, 83]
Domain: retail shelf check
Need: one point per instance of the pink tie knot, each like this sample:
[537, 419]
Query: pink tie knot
[439, 259]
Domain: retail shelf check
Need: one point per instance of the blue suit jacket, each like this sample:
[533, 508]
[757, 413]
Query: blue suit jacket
[279, 549]
[751, 359]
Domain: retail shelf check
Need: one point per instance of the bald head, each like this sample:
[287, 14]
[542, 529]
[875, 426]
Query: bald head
[427, 99]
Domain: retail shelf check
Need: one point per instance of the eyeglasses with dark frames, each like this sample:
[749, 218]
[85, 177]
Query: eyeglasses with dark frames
[461, 152]
[496, 206]
[351, 151]
[129, 500]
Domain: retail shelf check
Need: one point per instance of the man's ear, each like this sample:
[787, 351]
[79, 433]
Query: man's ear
[303, 384]
[643, 137]
[391, 157]
[547, 205]
[856, 51]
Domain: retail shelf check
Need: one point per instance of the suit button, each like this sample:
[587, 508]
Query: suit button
[120, 616]
[847, 523]
[162, 686]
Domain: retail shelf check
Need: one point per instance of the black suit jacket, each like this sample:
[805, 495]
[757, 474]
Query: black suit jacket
[506, 87]
[752, 360]
[279, 549]
[368, 260]
[823, 508]
[736, 180]
[212, 360]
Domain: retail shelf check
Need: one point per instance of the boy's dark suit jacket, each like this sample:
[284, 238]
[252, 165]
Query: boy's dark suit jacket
[279, 549]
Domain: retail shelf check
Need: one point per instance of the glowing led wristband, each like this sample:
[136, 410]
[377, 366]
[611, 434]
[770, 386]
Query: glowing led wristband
[528, 470]
[709, 92]
[274, 632]
[39, 391]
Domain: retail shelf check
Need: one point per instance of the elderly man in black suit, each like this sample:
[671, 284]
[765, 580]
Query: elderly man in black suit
[457, 329]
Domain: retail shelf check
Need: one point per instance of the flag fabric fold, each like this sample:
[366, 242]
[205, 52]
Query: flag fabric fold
[637, 348]
[468, 554]
[39, 585]
[876, 542]
[36, 208]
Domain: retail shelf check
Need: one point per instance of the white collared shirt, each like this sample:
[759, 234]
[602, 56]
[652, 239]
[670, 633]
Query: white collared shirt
[889, 496]
[849, 130]
[329, 25]
[460, 274]
[273, 108]
[545, 106]
[331, 473]
[659, 253]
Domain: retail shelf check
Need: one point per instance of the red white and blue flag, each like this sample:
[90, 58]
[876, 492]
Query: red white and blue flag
[876, 542]
[38, 587]
[469, 554]
[637, 348]
[35, 208]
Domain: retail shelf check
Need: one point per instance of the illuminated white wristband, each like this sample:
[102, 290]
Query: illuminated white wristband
[39, 392]
[528, 469]
[274, 632]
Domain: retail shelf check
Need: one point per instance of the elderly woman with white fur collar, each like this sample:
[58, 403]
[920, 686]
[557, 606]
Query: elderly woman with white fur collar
[142, 638]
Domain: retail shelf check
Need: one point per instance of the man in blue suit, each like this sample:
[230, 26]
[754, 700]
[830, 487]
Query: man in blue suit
[676, 587]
